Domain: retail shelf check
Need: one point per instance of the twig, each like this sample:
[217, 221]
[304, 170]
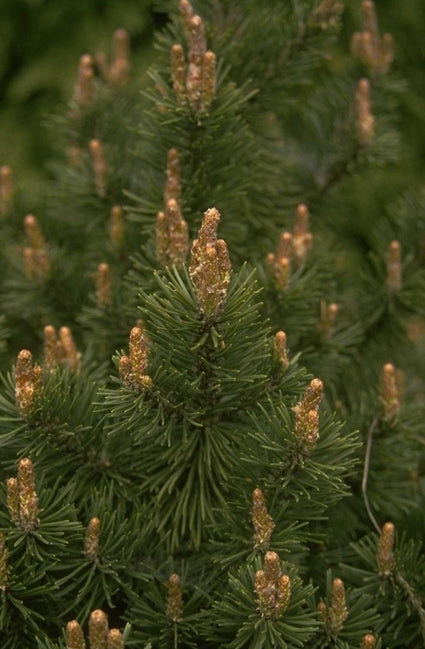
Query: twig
[414, 600]
[366, 474]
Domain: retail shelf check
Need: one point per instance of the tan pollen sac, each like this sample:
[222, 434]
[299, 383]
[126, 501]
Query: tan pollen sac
[6, 190]
[28, 499]
[116, 228]
[172, 236]
[273, 589]
[28, 383]
[389, 391]
[91, 539]
[328, 13]
[37, 265]
[36, 257]
[302, 238]
[71, 355]
[174, 599]
[367, 44]
[194, 82]
[51, 348]
[281, 350]
[33, 232]
[279, 264]
[3, 563]
[173, 185]
[209, 79]
[262, 521]
[98, 630]
[285, 246]
[84, 92]
[195, 70]
[328, 317]
[307, 417]
[385, 554]
[74, 636]
[12, 499]
[365, 121]
[210, 266]
[337, 613]
[133, 368]
[100, 167]
[394, 267]
[115, 640]
[368, 642]
[187, 13]
[103, 285]
[178, 72]
[120, 66]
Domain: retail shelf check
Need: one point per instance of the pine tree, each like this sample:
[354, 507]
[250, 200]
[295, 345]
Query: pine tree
[212, 342]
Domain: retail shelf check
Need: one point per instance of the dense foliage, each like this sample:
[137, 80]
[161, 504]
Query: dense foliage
[212, 349]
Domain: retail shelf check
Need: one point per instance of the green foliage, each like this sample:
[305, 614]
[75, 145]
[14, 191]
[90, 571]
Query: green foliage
[211, 464]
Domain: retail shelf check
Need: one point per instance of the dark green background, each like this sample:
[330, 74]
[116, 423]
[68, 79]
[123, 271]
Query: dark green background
[42, 40]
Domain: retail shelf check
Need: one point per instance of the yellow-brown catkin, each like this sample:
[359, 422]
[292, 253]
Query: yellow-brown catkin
[12, 499]
[138, 352]
[280, 350]
[307, 417]
[328, 13]
[187, 13]
[302, 238]
[28, 499]
[120, 66]
[85, 87]
[91, 539]
[37, 264]
[367, 44]
[174, 599]
[133, 368]
[210, 266]
[6, 190]
[3, 562]
[394, 267]
[178, 72]
[194, 83]
[263, 522]
[98, 630]
[173, 188]
[389, 393]
[50, 347]
[100, 167]
[209, 79]
[279, 264]
[337, 613]
[28, 382]
[328, 317]
[36, 256]
[322, 612]
[273, 589]
[368, 642]
[103, 285]
[365, 121]
[115, 639]
[71, 355]
[74, 636]
[116, 228]
[172, 236]
[385, 555]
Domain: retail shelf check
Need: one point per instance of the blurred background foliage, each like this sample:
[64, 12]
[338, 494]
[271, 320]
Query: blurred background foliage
[41, 42]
